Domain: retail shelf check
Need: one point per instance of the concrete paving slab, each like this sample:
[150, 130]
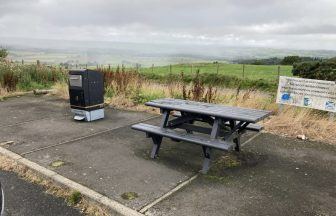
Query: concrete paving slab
[48, 132]
[27, 108]
[118, 162]
[274, 176]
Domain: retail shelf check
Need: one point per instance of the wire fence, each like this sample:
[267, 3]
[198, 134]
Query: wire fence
[242, 71]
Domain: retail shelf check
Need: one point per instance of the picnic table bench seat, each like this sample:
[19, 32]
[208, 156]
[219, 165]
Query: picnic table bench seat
[227, 124]
[186, 137]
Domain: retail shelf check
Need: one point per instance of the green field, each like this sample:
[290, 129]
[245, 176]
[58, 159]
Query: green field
[251, 72]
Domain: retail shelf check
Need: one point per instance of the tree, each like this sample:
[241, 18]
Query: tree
[290, 60]
[3, 53]
[322, 70]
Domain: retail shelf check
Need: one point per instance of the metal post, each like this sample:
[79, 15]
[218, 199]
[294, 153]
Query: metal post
[217, 68]
[243, 70]
[278, 73]
[109, 67]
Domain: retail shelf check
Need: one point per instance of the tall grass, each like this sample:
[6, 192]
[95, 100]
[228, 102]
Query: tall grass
[15, 77]
[292, 121]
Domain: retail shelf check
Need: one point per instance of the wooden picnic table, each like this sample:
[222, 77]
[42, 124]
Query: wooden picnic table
[227, 124]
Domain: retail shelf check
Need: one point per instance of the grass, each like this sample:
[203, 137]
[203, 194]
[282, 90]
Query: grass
[57, 163]
[292, 121]
[251, 72]
[263, 77]
[129, 196]
[74, 198]
[18, 77]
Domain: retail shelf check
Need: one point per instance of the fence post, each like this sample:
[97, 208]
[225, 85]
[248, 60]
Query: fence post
[22, 61]
[281, 108]
[278, 73]
[109, 67]
[217, 68]
[38, 62]
[243, 71]
[191, 69]
[152, 68]
[331, 116]
[170, 68]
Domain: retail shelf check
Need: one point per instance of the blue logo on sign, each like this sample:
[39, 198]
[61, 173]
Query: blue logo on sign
[330, 105]
[285, 97]
[307, 101]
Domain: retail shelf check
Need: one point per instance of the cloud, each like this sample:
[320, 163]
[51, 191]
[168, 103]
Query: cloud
[286, 23]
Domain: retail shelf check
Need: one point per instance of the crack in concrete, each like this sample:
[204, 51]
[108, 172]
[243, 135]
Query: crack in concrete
[29, 121]
[88, 136]
[145, 208]
[169, 193]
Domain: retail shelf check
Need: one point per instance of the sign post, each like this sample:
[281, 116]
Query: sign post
[310, 93]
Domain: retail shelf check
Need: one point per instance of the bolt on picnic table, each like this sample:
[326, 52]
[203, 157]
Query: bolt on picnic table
[227, 125]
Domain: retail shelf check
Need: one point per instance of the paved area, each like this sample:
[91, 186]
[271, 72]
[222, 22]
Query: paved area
[24, 198]
[272, 175]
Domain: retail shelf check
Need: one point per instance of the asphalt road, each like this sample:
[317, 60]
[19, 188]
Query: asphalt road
[24, 198]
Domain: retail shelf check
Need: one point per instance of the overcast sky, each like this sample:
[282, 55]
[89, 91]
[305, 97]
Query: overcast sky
[298, 24]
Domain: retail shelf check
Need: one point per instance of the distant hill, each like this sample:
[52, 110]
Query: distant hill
[56, 51]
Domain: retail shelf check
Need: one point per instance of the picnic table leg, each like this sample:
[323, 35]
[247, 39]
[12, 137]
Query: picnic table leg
[190, 122]
[207, 159]
[156, 145]
[236, 140]
[165, 117]
[207, 150]
[158, 139]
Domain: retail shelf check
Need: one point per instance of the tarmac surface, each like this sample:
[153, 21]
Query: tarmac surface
[271, 176]
[24, 198]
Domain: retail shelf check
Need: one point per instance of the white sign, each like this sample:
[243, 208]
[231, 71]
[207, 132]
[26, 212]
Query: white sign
[316, 94]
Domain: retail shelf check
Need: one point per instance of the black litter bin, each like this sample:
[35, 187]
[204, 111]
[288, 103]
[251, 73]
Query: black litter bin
[86, 91]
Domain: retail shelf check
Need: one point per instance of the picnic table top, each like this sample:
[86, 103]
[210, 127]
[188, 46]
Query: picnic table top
[214, 110]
